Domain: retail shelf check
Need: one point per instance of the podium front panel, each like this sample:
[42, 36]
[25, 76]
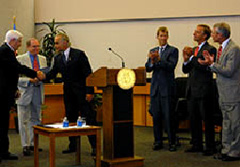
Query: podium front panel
[122, 104]
[123, 140]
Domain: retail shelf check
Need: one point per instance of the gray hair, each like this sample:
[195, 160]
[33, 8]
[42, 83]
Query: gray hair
[223, 28]
[13, 34]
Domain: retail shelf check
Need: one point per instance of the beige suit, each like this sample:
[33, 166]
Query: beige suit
[29, 103]
[228, 83]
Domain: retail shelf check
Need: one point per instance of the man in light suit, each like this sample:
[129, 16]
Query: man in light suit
[227, 69]
[74, 66]
[29, 103]
[199, 91]
[162, 62]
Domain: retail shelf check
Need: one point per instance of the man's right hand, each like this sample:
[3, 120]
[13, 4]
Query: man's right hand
[154, 56]
[187, 53]
[34, 80]
[41, 75]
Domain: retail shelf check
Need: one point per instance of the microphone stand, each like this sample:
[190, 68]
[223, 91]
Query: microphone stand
[123, 63]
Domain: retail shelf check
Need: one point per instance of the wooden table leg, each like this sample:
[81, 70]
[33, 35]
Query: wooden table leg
[98, 148]
[52, 151]
[78, 153]
[36, 155]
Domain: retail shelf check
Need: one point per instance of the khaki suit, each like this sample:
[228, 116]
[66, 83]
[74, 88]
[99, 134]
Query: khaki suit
[228, 84]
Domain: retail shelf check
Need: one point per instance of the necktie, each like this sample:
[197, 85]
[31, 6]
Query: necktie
[35, 64]
[219, 53]
[196, 51]
[160, 51]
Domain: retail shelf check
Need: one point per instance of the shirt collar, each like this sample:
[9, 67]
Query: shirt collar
[10, 47]
[224, 44]
[199, 46]
[67, 52]
[163, 47]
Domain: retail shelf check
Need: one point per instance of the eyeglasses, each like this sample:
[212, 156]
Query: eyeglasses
[198, 32]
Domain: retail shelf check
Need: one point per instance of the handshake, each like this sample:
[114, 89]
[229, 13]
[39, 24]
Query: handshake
[41, 75]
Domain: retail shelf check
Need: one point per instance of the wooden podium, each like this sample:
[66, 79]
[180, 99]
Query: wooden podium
[118, 136]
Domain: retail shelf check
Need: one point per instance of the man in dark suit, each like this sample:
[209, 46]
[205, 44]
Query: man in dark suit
[199, 91]
[74, 67]
[10, 68]
[162, 62]
[227, 69]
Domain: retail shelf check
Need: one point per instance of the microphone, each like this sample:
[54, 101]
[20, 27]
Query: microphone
[123, 63]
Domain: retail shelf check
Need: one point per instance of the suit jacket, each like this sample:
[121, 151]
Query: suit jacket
[228, 73]
[74, 71]
[24, 84]
[10, 68]
[200, 79]
[163, 72]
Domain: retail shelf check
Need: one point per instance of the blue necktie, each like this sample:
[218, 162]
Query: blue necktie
[160, 51]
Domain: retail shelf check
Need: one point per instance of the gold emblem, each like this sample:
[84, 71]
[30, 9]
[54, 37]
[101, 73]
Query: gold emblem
[126, 78]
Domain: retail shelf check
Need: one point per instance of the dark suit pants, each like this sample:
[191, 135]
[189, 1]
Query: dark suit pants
[75, 105]
[201, 110]
[4, 125]
[162, 109]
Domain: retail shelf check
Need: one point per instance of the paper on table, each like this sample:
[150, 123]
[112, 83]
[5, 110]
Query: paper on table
[60, 125]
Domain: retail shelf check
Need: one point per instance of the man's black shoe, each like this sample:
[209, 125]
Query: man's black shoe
[228, 158]
[93, 152]
[67, 151]
[157, 146]
[194, 149]
[32, 149]
[26, 151]
[219, 156]
[9, 156]
[172, 148]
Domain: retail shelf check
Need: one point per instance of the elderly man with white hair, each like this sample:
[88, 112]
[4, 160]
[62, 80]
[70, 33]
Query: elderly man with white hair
[10, 69]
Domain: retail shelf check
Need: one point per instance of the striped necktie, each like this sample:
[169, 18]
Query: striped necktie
[160, 51]
[35, 63]
[219, 53]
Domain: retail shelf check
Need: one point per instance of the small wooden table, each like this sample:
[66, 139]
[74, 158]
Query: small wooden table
[59, 132]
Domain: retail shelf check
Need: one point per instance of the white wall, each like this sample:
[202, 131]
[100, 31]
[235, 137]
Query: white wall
[24, 12]
[95, 10]
[133, 39]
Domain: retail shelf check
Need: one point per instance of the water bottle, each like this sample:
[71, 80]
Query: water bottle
[79, 122]
[65, 122]
[83, 121]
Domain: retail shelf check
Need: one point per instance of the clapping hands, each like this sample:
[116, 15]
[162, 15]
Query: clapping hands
[154, 56]
[209, 59]
[187, 53]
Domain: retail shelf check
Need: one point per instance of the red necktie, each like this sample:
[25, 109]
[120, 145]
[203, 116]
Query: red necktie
[196, 51]
[35, 64]
[219, 53]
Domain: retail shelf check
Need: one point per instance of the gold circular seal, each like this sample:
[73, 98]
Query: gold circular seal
[126, 78]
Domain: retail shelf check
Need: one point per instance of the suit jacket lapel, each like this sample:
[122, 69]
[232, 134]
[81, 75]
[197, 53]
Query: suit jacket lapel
[201, 49]
[27, 60]
[225, 50]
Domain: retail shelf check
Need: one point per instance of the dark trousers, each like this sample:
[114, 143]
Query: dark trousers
[162, 108]
[201, 110]
[75, 106]
[4, 124]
